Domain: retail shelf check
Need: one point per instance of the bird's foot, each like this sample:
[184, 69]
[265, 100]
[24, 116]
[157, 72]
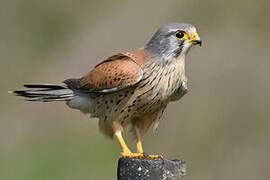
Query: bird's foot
[141, 156]
[132, 155]
[152, 156]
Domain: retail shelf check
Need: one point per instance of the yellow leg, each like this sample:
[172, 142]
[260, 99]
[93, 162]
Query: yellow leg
[139, 142]
[140, 148]
[126, 151]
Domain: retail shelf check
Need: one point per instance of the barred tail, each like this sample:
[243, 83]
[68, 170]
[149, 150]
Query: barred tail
[45, 93]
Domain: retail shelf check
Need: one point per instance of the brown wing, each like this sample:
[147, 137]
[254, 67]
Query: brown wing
[117, 72]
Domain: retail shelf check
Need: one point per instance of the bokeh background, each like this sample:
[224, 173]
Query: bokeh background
[221, 127]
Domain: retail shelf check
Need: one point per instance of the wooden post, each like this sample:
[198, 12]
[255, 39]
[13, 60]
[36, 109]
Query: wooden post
[150, 169]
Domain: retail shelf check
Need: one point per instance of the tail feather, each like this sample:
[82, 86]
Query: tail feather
[45, 93]
[48, 86]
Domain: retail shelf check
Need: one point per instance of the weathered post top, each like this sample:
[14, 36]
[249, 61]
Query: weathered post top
[150, 169]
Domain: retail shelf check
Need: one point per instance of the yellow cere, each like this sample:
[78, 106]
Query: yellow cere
[194, 36]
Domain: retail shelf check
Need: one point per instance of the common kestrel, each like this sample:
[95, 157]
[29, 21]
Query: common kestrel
[128, 88]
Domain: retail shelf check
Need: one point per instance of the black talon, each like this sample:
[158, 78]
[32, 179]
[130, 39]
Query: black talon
[146, 155]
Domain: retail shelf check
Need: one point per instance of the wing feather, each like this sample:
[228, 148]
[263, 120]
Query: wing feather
[115, 73]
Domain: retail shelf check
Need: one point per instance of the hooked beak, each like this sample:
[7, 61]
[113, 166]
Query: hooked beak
[195, 42]
[195, 39]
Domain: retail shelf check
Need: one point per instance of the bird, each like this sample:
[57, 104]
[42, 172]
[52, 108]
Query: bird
[128, 89]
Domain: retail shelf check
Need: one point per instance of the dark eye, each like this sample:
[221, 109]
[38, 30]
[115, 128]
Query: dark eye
[180, 34]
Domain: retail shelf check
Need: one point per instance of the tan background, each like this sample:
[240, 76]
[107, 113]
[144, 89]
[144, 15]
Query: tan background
[221, 127]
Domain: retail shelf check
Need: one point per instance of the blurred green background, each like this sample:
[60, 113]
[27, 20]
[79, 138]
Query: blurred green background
[221, 127]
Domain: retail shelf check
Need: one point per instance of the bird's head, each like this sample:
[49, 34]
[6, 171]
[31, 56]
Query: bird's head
[173, 40]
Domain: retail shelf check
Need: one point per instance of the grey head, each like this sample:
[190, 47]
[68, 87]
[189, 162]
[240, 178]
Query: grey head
[172, 40]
